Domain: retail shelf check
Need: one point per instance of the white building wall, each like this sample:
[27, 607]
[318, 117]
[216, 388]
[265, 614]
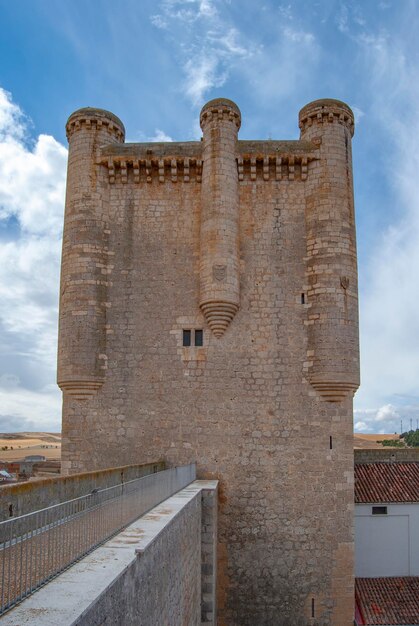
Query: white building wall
[387, 545]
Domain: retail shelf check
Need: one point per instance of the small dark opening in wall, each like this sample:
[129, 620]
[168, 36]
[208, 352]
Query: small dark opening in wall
[379, 510]
[303, 298]
[199, 337]
[312, 607]
[10, 510]
[331, 442]
[187, 338]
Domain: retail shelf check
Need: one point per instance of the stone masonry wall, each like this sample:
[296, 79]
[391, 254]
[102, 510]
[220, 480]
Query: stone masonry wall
[26, 497]
[149, 574]
[389, 455]
[266, 407]
[162, 586]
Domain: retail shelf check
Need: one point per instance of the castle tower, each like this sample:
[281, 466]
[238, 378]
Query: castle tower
[219, 263]
[84, 280]
[331, 270]
[209, 313]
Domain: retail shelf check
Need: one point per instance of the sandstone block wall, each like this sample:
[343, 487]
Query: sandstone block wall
[252, 242]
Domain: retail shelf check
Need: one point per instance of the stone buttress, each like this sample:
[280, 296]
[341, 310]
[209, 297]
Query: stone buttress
[85, 256]
[331, 266]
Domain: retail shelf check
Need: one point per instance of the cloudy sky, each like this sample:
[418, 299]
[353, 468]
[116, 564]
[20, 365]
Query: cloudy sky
[154, 63]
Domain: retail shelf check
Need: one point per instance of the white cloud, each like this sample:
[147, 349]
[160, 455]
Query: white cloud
[187, 11]
[389, 317]
[32, 186]
[387, 419]
[298, 36]
[210, 46]
[160, 135]
[22, 409]
[361, 427]
[201, 76]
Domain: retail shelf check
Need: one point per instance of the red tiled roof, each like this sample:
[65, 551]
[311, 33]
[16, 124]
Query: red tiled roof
[387, 482]
[388, 601]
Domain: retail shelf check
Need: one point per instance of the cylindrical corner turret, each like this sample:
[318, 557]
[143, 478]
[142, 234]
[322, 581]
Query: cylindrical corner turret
[331, 268]
[84, 280]
[322, 111]
[219, 256]
[97, 120]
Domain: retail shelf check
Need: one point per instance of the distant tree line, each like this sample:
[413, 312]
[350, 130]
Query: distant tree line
[409, 439]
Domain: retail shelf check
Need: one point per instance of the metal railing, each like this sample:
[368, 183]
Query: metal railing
[36, 547]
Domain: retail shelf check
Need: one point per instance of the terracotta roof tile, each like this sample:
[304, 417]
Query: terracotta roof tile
[388, 601]
[387, 482]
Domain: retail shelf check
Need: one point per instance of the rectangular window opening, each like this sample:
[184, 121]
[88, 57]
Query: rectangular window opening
[303, 298]
[331, 442]
[379, 510]
[187, 338]
[199, 337]
[312, 607]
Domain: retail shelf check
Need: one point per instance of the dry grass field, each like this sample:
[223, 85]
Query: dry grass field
[366, 442]
[49, 444]
[25, 444]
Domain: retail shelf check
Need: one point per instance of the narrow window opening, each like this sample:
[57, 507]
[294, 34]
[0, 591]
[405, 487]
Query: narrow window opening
[379, 510]
[331, 442]
[312, 607]
[10, 510]
[199, 337]
[303, 298]
[187, 338]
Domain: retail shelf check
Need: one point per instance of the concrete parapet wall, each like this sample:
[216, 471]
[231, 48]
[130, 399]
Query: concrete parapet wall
[34, 495]
[150, 574]
[388, 455]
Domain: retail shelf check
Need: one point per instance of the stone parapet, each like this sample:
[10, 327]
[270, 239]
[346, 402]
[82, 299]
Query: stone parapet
[149, 574]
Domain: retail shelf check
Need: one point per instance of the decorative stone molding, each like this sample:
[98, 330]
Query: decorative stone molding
[168, 169]
[81, 389]
[274, 167]
[218, 315]
[333, 391]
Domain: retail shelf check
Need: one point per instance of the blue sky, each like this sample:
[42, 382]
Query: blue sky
[154, 63]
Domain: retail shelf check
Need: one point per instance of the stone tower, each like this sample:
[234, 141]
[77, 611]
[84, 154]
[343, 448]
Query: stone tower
[209, 313]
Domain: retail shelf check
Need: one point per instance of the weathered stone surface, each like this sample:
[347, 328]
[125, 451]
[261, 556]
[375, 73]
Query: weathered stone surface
[161, 238]
[147, 575]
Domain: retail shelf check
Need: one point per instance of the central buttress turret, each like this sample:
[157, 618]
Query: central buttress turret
[219, 246]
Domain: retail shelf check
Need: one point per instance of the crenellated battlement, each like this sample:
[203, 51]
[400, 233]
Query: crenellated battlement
[95, 119]
[182, 162]
[326, 111]
[220, 109]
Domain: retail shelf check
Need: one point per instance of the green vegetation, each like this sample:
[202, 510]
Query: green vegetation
[393, 443]
[411, 438]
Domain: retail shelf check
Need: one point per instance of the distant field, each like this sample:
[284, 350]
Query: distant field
[24, 444]
[369, 441]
